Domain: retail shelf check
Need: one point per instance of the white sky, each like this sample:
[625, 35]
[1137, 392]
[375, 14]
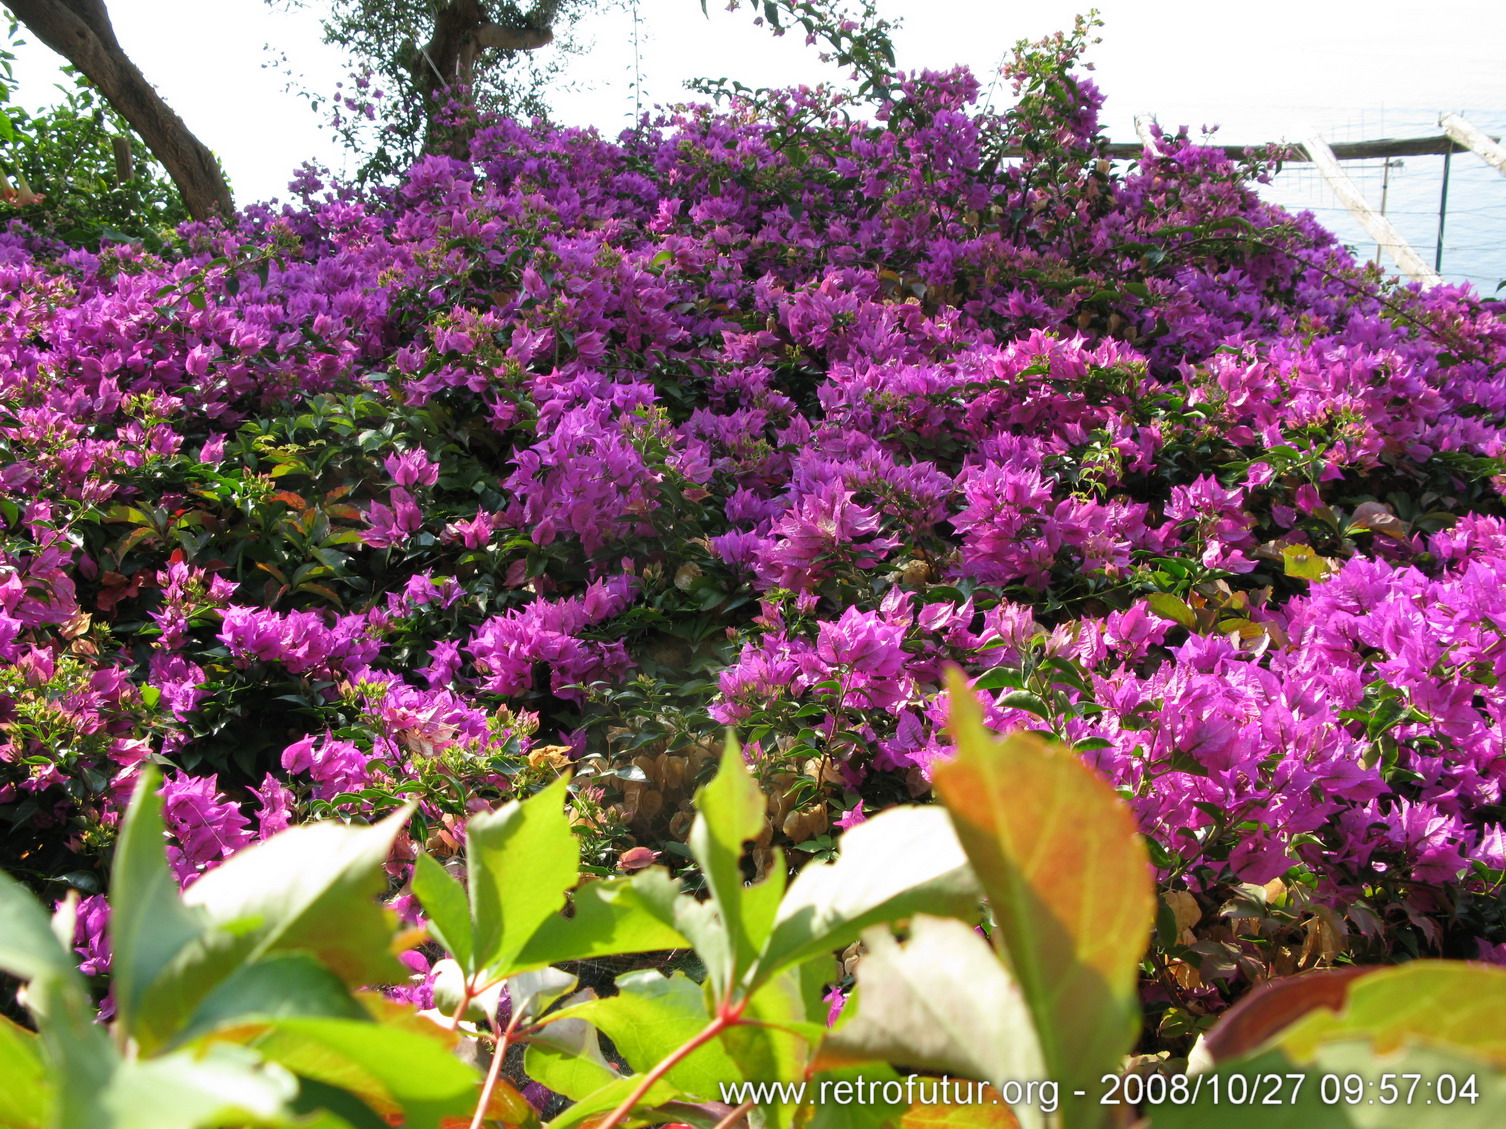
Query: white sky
[1261, 70]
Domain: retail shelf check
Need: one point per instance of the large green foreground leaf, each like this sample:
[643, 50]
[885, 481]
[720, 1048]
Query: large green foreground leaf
[309, 890]
[149, 924]
[312, 889]
[77, 1048]
[900, 862]
[26, 1093]
[941, 1002]
[734, 928]
[1070, 883]
[521, 859]
[1347, 1085]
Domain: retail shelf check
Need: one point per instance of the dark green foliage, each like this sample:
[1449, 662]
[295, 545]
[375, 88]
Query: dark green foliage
[77, 172]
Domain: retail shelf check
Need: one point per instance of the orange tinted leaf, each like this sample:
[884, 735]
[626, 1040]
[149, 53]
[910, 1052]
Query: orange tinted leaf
[1274, 1005]
[505, 1106]
[1377, 517]
[321, 590]
[991, 1113]
[1070, 882]
[1453, 1004]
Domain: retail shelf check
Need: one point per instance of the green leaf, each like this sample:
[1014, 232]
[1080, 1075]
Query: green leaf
[379, 1063]
[702, 923]
[128, 514]
[1167, 606]
[225, 1085]
[998, 678]
[877, 1113]
[1231, 221]
[1302, 562]
[310, 888]
[653, 1015]
[521, 860]
[149, 924]
[78, 1048]
[284, 984]
[777, 1040]
[333, 1108]
[26, 1097]
[1070, 883]
[1024, 700]
[447, 908]
[901, 862]
[530, 994]
[612, 918]
[565, 1056]
[940, 1002]
[28, 948]
[731, 811]
[606, 1099]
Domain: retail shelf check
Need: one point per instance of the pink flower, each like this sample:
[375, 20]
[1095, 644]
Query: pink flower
[853, 817]
[823, 527]
[208, 827]
[336, 766]
[276, 807]
[412, 468]
[390, 527]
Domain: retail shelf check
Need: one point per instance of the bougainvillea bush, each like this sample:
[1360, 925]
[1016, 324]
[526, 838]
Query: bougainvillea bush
[576, 452]
[240, 1001]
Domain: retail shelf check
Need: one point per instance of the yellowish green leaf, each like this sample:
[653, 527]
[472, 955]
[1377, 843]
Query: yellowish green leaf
[1167, 606]
[1455, 1004]
[1302, 562]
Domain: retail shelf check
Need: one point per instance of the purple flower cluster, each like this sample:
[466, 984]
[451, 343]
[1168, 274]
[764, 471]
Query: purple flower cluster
[505, 649]
[366, 496]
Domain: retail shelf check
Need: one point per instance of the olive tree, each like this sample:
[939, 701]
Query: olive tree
[81, 32]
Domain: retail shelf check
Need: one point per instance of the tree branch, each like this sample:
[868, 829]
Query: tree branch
[462, 31]
[512, 38]
[80, 31]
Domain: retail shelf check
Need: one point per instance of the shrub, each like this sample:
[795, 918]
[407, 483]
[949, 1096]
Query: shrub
[233, 1003]
[424, 495]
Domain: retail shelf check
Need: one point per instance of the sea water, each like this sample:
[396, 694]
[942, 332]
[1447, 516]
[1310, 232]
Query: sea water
[1474, 227]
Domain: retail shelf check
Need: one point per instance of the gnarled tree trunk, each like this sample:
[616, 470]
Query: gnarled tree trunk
[462, 30]
[81, 32]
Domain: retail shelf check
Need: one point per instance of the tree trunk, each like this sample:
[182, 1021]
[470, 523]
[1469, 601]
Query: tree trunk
[462, 30]
[81, 32]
